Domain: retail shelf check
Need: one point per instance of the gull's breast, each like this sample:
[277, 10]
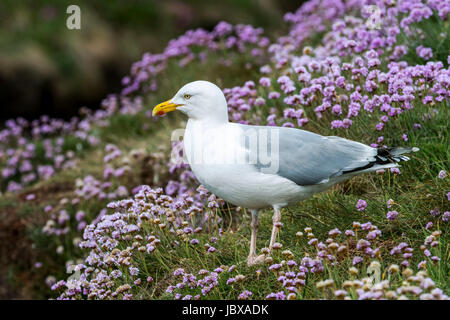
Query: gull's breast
[219, 161]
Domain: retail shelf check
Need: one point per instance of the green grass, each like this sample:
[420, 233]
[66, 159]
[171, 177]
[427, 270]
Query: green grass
[435, 35]
[416, 191]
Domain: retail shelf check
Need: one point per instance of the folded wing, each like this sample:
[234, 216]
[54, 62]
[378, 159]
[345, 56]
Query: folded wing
[307, 158]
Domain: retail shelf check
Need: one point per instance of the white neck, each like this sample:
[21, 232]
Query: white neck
[215, 116]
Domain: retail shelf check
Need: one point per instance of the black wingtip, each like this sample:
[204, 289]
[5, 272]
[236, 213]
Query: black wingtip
[391, 155]
[386, 156]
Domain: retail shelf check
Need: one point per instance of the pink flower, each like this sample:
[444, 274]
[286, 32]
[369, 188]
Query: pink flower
[30, 197]
[442, 174]
[392, 215]
[361, 205]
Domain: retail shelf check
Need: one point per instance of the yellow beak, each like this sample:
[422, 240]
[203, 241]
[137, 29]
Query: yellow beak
[165, 107]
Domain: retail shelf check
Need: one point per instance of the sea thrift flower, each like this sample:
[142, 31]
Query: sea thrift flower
[356, 260]
[392, 215]
[349, 233]
[340, 293]
[424, 53]
[264, 81]
[361, 205]
[245, 295]
[30, 197]
[435, 212]
[390, 203]
[442, 174]
[134, 271]
[211, 249]
[277, 246]
[446, 216]
[338, 84]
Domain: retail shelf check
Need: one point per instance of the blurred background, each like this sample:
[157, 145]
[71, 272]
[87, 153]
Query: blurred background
[46, 68]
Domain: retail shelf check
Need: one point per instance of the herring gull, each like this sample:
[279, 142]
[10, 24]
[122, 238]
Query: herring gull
[256, 167]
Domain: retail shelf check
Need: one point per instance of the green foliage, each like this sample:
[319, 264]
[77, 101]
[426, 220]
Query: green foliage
[415, 192]
[434, 34]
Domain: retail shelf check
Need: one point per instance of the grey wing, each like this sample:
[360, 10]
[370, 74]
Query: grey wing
[308, 158]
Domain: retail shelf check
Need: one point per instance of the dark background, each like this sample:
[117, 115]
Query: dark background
[47, 69]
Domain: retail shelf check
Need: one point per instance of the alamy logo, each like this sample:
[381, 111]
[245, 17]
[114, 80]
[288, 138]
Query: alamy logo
[374, 272]
[374, 20]
[72, 269]
[74, 20]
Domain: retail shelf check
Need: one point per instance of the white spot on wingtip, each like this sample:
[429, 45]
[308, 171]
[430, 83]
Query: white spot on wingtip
[324, 181]
[414, 149]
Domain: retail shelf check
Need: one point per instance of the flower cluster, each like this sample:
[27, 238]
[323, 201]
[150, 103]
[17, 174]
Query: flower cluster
[68, 219]
[121, 243]
[323, 81]
[31, 151]
[415, 286]
[357, 71]
[195, 45]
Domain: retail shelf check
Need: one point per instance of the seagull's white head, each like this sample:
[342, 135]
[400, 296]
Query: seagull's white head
[199, 100]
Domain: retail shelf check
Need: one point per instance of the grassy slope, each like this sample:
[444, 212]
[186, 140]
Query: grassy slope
[416, 191]
[22, 220]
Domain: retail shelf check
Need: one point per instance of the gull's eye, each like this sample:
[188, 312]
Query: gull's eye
[187, 96]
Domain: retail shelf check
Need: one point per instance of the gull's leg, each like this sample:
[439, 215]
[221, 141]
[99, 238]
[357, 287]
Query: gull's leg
[276, 218]
[254, 226]
[252, 257]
